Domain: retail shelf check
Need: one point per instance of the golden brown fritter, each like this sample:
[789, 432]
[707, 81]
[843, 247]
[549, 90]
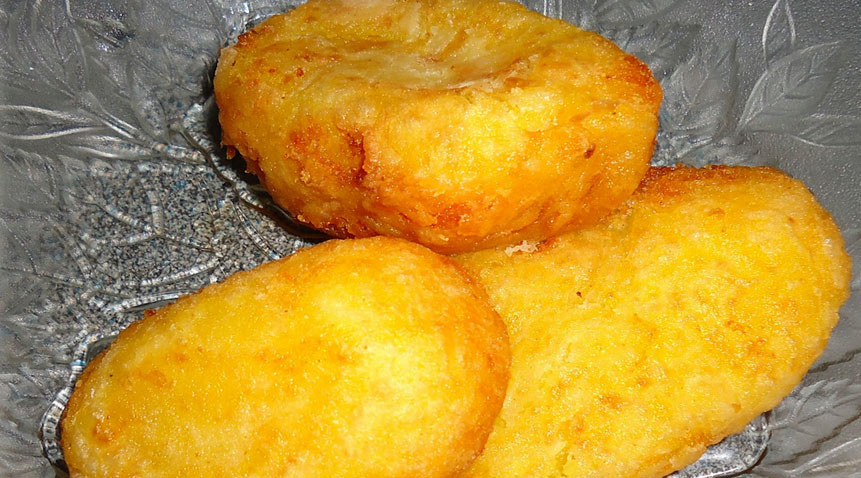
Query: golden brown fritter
[458, 124]
[372, 357]
[638, 342]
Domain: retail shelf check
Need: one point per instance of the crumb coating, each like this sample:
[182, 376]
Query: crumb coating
[372, 357]
[457, 124]
[640, 341]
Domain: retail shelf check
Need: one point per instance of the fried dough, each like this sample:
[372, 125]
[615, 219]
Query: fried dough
[457, 124]
[640, 341]
[372, 357]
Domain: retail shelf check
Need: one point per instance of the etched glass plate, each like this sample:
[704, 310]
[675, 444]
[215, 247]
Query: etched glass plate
[114, 196]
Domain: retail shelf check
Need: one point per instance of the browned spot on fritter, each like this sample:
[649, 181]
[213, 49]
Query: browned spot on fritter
[548, 244]
[230, 152]
[576, 425]
[246, 39]
[453, 214]
[612, 401]
[589, 151]
[736, 326]
[249, 38]
[106, 429]
[156, 377]
[356, 145]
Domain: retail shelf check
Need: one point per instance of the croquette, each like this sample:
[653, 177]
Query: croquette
[457, 124]
[640, 341]
[357, 358]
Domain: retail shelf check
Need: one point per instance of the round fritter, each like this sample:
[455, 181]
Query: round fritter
[458, 124]
[638, 342]
[372, 357]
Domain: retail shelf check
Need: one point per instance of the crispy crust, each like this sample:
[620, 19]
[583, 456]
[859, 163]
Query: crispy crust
[638, 342]
[456, 124]
[372, 357]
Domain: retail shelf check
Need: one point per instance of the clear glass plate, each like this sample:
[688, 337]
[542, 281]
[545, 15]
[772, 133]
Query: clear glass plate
[114, 196]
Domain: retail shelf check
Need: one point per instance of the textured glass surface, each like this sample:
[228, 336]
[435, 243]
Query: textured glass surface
[114, 196]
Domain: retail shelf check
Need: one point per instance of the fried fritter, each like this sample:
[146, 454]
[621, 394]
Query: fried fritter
[457, 124]
[372, 357]
[640, 341]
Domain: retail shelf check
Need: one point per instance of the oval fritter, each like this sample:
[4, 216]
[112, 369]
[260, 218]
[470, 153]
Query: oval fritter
[458, 124]
[638, 342]
[360, 358]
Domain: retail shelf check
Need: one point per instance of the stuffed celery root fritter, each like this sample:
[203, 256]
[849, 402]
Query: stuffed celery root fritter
[372, 357]
[457, 124]
[638, 342]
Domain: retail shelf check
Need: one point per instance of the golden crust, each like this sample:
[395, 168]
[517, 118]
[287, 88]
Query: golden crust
[638, 342]
[458, 124]
[371, 357]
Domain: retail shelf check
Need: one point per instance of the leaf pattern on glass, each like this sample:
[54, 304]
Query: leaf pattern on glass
[787, 96]
[24, 122]
[694, 116]
[604, 15]
[835, 402]
[791, 87]
[700, 93]
[842, 460]
[837, 461]
[65, 105]
[50, 45]
[826, 130]
[20, 452]
[731, 456]
[624, 13]
[550, 8]
[797, 426]
[662, 46]
[778, 35]
[577, 12]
